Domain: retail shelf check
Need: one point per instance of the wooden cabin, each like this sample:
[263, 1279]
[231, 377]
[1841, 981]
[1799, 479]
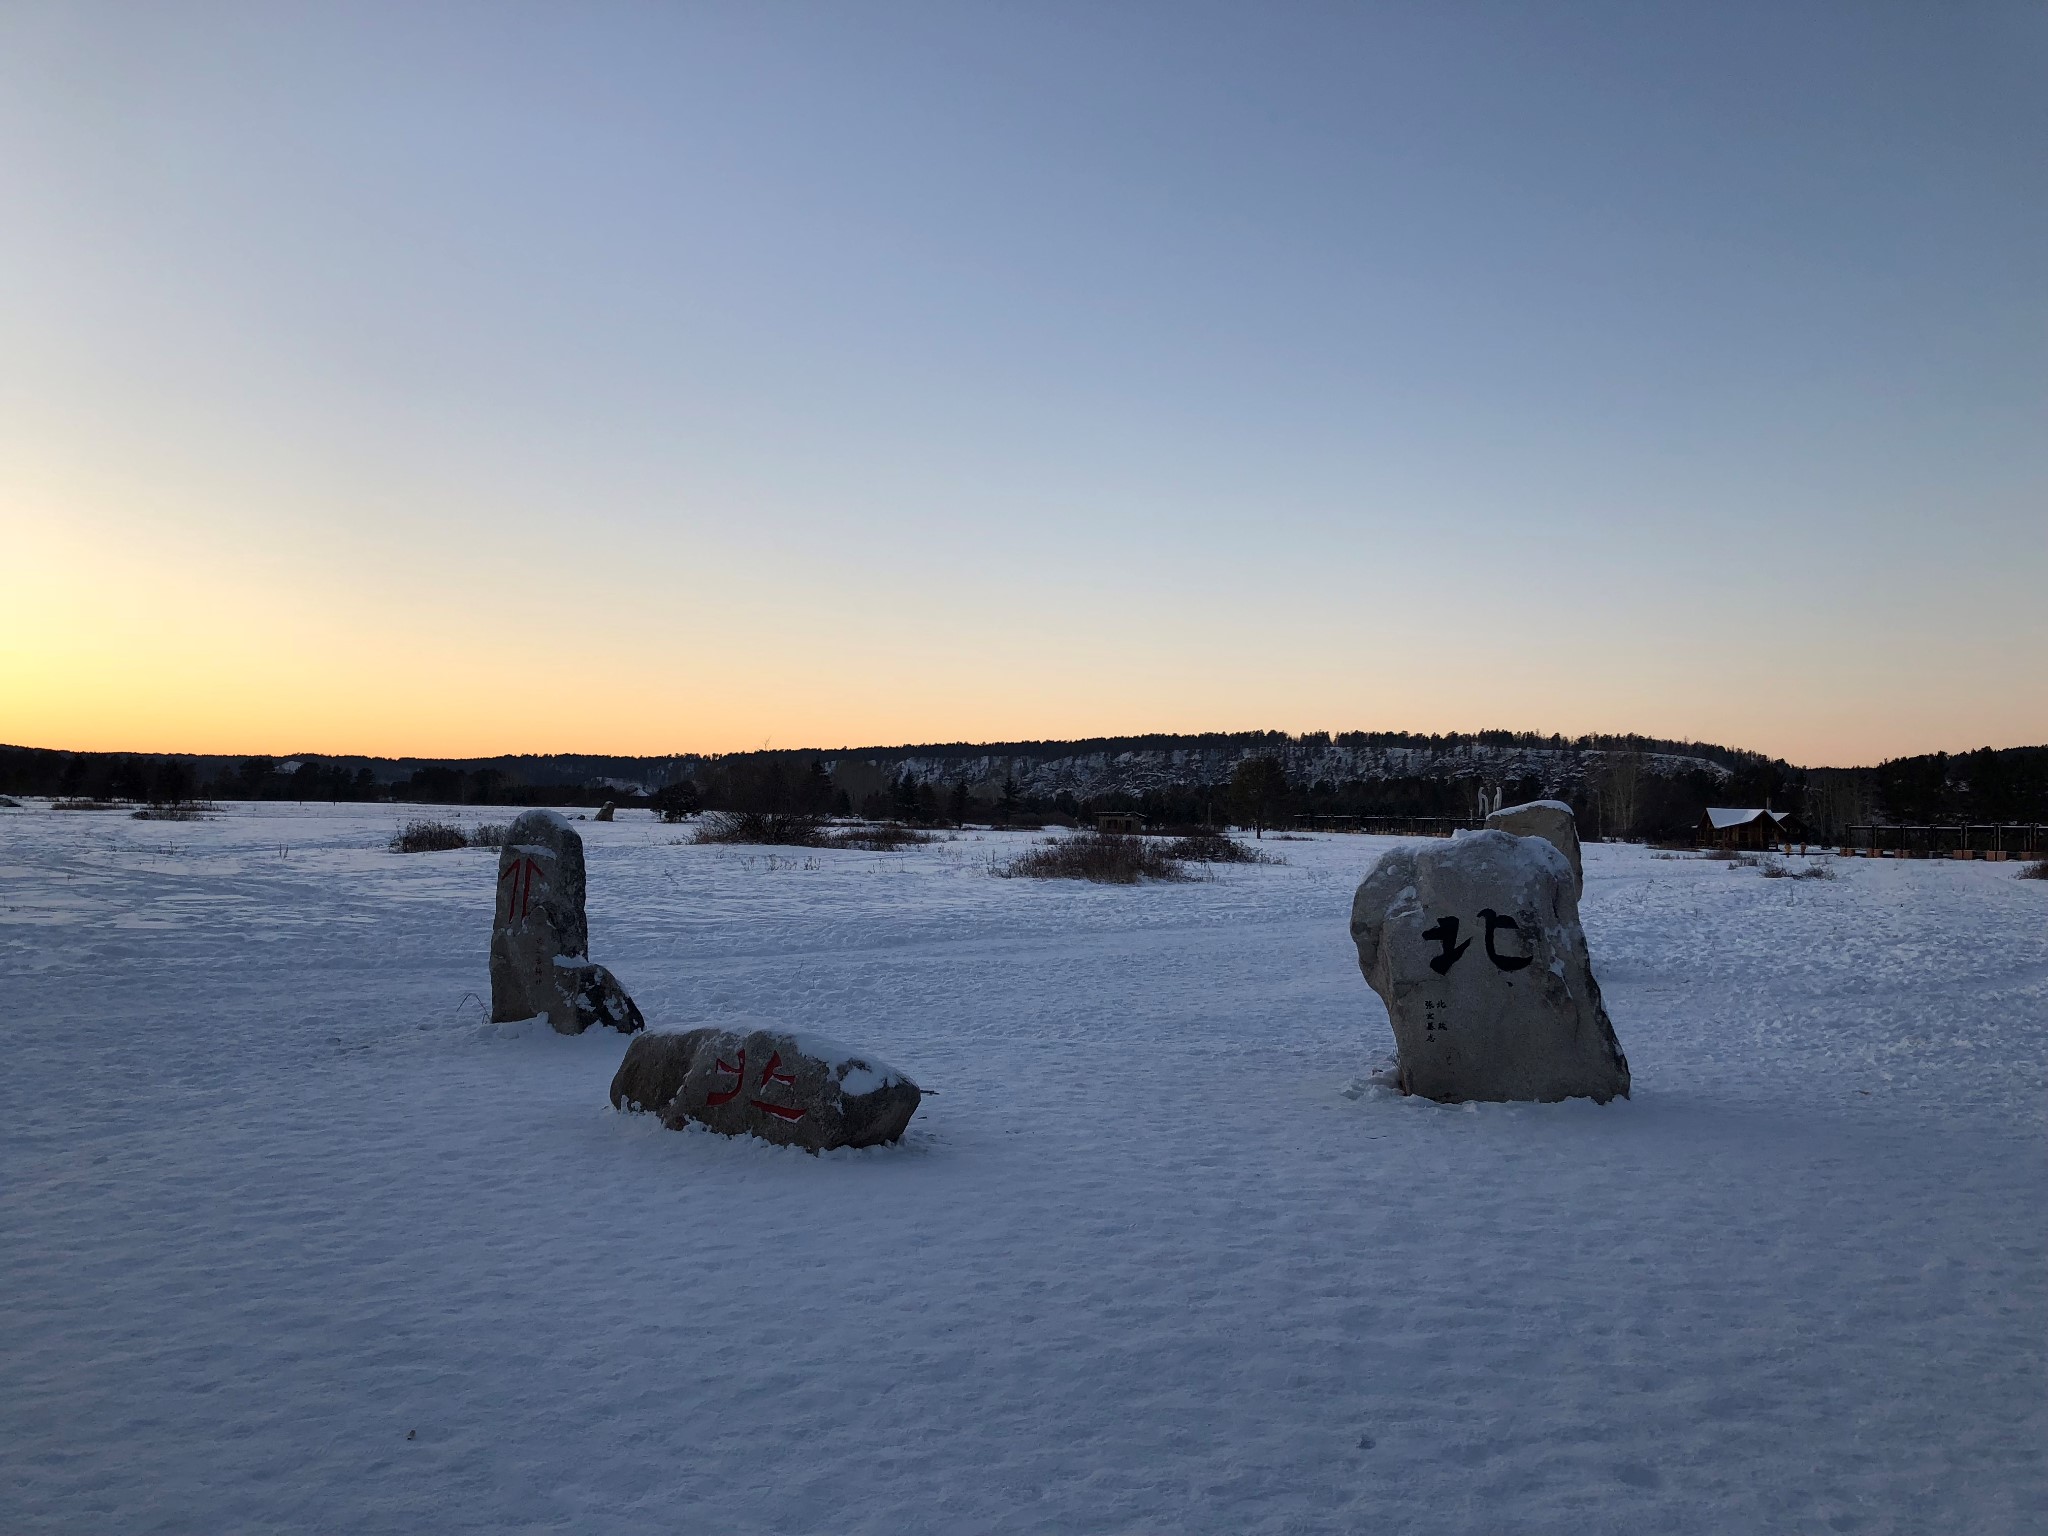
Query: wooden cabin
[1729, 827]
[1119, 823]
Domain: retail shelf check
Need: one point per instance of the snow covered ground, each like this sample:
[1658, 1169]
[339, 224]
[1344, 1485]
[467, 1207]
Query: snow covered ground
[291, 1239]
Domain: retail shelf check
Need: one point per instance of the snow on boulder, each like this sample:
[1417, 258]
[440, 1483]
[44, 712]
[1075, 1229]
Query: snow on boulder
[540, 940]
[797, 1090]
[1551, 820]
[592, 995]
[1475, 947]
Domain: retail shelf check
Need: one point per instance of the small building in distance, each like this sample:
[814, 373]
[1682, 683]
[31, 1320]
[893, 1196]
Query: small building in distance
[1728, 827]
[1121, 823]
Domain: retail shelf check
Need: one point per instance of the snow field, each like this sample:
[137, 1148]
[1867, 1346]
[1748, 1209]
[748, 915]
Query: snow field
[1155, 1255]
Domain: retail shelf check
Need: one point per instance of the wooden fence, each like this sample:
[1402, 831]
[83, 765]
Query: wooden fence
[1991, 840]
[1389, 826]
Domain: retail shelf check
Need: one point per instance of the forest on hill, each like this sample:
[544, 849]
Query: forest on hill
[1621, 786]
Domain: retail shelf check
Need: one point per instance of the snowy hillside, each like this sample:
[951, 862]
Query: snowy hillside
[1042, 770]
[295, 1241]
[1558, 772]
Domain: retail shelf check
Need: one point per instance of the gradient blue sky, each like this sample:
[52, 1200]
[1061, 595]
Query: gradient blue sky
[446, 378]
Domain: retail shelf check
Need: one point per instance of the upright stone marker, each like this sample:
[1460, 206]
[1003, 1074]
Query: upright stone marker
[1475, 947]
[1551, 820]
[540, 939]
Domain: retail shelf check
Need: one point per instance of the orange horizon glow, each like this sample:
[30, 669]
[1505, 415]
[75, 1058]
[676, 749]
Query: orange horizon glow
[121, 637]
[877, 745]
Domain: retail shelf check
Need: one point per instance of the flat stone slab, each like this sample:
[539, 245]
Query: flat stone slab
[656, 1064]
[793, 1089]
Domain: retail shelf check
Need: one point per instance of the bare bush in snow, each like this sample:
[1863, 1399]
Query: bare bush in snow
[790, 829]
[883, 837]
[1107, 860]
[429, 836]
[1777, 869]
[1217, 848]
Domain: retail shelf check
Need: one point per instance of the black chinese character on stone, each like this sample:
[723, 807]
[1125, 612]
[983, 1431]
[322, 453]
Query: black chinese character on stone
[1446, 933]
[1494, 923]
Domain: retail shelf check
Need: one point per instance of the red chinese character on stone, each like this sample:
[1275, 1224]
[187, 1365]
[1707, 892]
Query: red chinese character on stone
[781, 1111]
[522, 875]
[770, 1074]
[739, 1077]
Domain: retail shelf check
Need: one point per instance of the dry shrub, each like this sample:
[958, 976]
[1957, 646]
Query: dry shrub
[786, 829]
[489, 834]
[174, 812]
[1216, 848]
[1108, 860]
[1774, 869]
[885, 837]
[2035, 869]
[429, 837]
[76, 804]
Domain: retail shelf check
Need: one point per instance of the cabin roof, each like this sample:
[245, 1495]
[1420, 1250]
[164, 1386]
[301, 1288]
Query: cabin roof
[1722, 817]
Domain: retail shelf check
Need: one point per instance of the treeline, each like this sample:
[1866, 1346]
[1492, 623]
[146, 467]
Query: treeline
[1649, 806]
[800, 784]
[1281, 744]
[1619, 786]
[176, 780]
[1260, 791]
[1982, 786]
[97, 775]
[488, 784]
[1619, 797]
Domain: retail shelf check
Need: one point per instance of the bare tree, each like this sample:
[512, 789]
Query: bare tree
[1836, 799]
[1260, 790]
[1622, 789]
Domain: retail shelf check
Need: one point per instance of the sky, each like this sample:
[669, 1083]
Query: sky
[443, 379]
